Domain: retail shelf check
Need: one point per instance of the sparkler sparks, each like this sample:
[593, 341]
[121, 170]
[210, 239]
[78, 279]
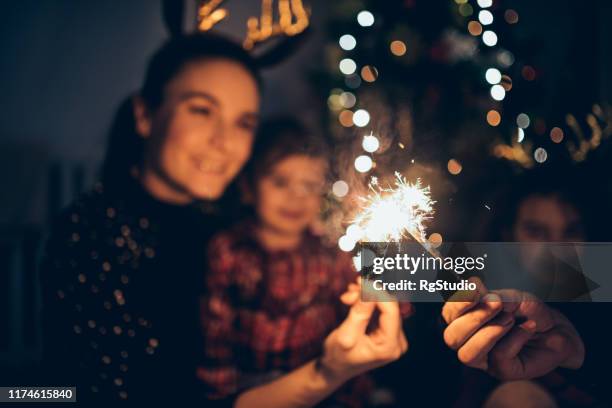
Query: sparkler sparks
[393, 213]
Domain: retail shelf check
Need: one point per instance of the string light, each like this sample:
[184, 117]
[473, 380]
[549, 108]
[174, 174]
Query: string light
[520, 135]
[347, 42]
[493, 76]
[363, 163]
[365, 18]
[540, 155]
[485, 3]
[398, 48]
[523, 121]
[498, 92]
[361, 118]
[485, 17]
[347, 66]
[370, 143]
[489, 38]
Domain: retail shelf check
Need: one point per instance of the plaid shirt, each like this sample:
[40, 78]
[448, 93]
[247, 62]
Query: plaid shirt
[267, 313]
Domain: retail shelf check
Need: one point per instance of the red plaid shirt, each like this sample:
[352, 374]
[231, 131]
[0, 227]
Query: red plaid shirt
[267, 313]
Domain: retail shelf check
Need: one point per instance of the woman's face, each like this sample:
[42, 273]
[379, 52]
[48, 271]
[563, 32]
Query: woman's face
[288, 198]
[202, 133]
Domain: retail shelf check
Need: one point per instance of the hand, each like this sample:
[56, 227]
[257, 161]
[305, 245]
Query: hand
[350, 350]
[511, 334]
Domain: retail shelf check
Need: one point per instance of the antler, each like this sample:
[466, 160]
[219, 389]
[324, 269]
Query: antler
[209, 14]
[293, 19]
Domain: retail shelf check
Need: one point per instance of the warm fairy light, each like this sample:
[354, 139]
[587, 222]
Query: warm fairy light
[498, 92]
[485, 17]
[393, 213]
[511, 16]
[493, 117]
[474, 28]
[528, 73]
[361, 118]
[370, 143]
[493, 76]
[340, 188]
[369, 73]
[540, 155]
[365, 18]
[506, 82]
[347, 66]
[556, 135]
[454, 167]
[485, 3]
[398, 48]
[347, 42]
[435, 239]
[346, 118]
[363, 163]
[489, 38]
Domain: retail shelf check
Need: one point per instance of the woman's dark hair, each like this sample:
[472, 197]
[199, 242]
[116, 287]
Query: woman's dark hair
[125, 148]
[278, 138]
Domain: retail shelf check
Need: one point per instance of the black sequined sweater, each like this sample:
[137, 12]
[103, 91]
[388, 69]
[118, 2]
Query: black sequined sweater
[122, 277]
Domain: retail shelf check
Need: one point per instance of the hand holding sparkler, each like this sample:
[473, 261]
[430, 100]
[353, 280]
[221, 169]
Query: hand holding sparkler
[351, 350]
[485, 334]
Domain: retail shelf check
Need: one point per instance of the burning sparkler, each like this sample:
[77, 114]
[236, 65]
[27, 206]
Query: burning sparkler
[390, 214]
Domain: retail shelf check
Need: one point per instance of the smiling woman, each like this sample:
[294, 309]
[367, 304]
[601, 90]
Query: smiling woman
[122, 272]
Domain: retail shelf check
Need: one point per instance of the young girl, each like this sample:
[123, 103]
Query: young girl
[274, 287]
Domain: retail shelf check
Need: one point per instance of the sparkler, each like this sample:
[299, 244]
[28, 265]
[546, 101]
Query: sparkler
[394, 213]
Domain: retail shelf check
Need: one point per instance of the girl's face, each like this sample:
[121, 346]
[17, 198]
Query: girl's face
[202, 133]
[288, 198]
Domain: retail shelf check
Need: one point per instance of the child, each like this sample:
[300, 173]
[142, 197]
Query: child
[274, 288]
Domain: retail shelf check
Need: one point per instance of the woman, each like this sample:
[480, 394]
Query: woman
[123, 271]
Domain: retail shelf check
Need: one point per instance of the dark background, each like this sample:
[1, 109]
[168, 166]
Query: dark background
[66, 65]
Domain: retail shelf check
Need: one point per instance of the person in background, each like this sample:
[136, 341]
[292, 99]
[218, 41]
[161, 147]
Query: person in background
[274, 287]
[122, 274]
[556, 356]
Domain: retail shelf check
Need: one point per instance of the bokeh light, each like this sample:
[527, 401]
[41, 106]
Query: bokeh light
[485, 17]
[454, 167]
[340, 188]
[365, 18]
[485, 3]
[493, 76]
[474, 28]
[498, 92]
[346, 118]
[363, 163]
[523, 121]
[540, 155]
[511, 16]
[493, 117]
[489, 38]
[556, 135]
[398, 48]
[370, 143]
[361, 118]
[347, 42]
[347, 66]
[369, 73]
